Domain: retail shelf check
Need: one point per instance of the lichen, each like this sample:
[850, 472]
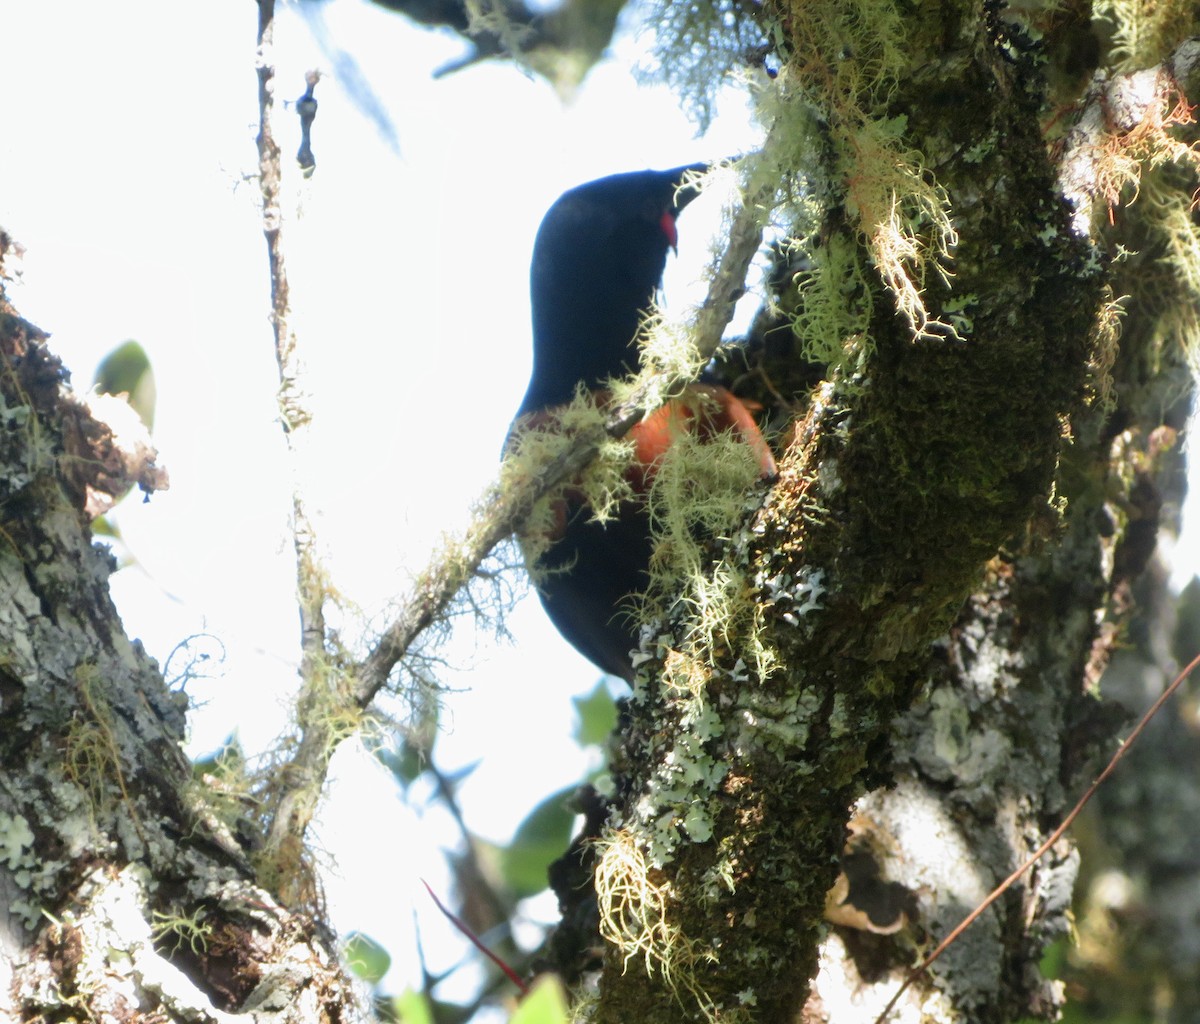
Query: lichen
[636, 917]
[698, 46]
[1143, 33]
[533, 446]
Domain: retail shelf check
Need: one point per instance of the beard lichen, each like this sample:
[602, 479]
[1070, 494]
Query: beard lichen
[1143, 33]
[845, 60]
[635, 917]
[698, 497]
[532, 447]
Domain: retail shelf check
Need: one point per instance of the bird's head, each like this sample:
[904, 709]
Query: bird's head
[597, 261]
[639, 207]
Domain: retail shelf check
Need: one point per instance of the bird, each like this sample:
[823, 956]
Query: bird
[598, 261]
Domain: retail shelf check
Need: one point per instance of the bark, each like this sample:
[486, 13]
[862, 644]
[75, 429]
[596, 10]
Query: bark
[939, 574]
[125, 889]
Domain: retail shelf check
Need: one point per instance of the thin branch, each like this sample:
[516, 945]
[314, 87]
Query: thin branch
[476, 941]
[296, 804]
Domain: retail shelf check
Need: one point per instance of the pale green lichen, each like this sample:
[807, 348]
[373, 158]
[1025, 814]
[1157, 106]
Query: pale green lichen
[699, 45]
[1144, 33]
[18, 855]
[847, 59]
[16, 841]
[178, 930]
[33, 874]
[92, 759]
[635, 917]
[1171, 213]
[602, 485]
[699, 494]
[669, 359]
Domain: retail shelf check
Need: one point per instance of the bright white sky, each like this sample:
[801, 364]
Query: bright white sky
[129, 133]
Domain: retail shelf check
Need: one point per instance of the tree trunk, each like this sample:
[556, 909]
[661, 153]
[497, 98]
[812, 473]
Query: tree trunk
[124, 889]
[940, 570]
[878, 698]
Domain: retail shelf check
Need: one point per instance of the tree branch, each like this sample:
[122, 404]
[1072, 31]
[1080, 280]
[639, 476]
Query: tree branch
[295, 803]
[1122, 116]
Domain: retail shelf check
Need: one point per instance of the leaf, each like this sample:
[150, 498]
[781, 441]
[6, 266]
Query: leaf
[545, 1004]
[597, 716]
[366, 958]
[412, 1008]
[540, 840]
[126, 370]
[408, 761]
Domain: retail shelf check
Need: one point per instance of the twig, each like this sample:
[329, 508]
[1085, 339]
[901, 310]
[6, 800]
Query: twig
[295, 806]
[469, 865]
[1037, 854]
[477, 942]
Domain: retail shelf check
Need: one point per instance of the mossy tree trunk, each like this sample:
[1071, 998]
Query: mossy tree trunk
[939, 573]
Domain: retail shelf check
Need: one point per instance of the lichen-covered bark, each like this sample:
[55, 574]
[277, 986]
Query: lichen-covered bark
[925, 473]
[121, 892]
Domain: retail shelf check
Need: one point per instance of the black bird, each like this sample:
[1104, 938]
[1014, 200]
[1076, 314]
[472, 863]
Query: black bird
[597, 262]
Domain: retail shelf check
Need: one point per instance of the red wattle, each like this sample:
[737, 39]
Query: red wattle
[667, 223]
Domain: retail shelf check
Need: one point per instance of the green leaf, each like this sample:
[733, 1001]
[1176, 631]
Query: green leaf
[412, 1008]
[407, 762]
[540, 840]
[597, 716]
[127, 370]
[366, 958]
[225, 758]
[546, 1003]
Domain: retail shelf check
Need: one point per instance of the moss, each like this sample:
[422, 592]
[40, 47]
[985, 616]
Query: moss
[956, 314]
